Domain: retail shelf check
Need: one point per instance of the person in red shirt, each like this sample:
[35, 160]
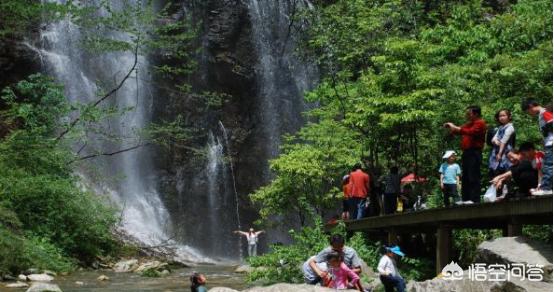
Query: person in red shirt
[473, 140]
[359, 188]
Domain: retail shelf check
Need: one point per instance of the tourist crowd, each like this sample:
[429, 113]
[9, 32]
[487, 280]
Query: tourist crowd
[513, 171]
[339, 266]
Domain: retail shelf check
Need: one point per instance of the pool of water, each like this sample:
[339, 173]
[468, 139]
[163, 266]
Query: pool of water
[178, 280]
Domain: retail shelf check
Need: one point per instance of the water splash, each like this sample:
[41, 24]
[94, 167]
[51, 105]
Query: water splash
[239, 226]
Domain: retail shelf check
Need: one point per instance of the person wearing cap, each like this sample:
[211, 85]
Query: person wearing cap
[450, 177]
[473, 141]
[388, 274]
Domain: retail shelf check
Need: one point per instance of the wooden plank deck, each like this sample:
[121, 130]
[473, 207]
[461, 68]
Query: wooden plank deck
[535, 210]
[507, 215]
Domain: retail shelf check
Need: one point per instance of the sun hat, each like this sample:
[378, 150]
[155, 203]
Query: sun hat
[448, 153]
[396, 250]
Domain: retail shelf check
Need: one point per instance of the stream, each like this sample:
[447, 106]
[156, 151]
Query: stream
[178, 280]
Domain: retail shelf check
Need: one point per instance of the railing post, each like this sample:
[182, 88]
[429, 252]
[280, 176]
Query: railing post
[444, 241]
[392, 236]
[512, 230]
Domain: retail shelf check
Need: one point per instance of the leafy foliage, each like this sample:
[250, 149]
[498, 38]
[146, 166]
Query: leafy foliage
[394, 72]
[284, 263]
[55, 216]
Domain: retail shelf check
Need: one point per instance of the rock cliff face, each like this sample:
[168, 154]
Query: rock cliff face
[247, 55]
[197, 185]
[17, 61]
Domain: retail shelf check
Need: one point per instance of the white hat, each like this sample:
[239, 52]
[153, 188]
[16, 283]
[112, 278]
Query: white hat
[448, 153]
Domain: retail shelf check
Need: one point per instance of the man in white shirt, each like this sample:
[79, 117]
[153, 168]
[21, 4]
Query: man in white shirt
[252, 239]
[387, 270]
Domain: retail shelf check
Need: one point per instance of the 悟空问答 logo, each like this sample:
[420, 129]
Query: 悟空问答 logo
[452, 271]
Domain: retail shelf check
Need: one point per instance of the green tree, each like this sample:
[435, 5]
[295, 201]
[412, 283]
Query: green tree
[394, 72]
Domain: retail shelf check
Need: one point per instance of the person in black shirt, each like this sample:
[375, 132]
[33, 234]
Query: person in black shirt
[522, 171]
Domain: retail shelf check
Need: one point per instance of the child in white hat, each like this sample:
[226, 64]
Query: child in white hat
[450, 177]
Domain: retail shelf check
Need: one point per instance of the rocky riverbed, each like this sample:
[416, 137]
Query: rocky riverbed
[177, 280]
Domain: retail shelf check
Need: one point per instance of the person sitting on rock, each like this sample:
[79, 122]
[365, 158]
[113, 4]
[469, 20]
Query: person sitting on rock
[338, 275]
[350, 256]
[198, 283]
[388, 274]
[310, 277]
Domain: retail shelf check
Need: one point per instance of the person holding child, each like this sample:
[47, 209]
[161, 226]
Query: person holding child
[449, 177]
[339, 276]
[350, 256]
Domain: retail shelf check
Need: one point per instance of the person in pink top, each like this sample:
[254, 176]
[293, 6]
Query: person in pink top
[338, 275]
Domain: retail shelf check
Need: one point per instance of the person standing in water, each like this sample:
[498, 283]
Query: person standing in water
[252, 239]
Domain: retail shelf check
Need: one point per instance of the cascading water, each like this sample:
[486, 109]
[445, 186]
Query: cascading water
[234, 181]
[144, 216]
[282, 76]
[205, 208]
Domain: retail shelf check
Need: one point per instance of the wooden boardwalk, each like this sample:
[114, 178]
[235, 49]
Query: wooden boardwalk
[509, 216]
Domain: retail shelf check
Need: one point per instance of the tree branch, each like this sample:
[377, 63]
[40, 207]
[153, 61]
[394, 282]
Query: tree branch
[107, 153]
[107, 95]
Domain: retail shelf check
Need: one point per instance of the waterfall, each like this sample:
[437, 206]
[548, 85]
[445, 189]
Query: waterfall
[234, 180]
[214, 170]
[128, 177]
[282, 79]
[282, 76]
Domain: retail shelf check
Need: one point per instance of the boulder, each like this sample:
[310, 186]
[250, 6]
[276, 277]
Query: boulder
[222, 289]
[125, 266]
[164, 273]
[510, 250]
[103, 278]
[281, 288]
[8, 277]
[79, 283]
[22, 277]
[153, 265]
[368, 271]
[51, 273]
[466, 284]
[44, 287]
[17, 285]
[31, 271]
[244, 269]
[40, 278]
